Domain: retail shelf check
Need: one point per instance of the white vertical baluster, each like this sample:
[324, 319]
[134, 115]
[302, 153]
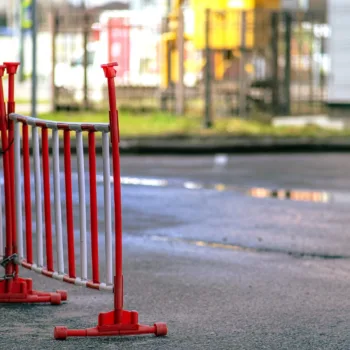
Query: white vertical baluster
[38, 200]
[82, 204]
[57, 201]
[18, 189]
[107, 207]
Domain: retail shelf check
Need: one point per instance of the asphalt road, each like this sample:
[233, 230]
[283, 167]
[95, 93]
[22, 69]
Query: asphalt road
[225, 270]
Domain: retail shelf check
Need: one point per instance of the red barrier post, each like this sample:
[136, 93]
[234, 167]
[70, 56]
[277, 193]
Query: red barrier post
[11, 69]
[69, 203]
[14, 289]
[6, 283]
[117, 321]
[47, 198]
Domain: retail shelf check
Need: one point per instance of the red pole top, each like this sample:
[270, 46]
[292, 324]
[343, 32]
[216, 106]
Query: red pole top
[2, 70]
[109, 69]
[11, 67]
[110, 74]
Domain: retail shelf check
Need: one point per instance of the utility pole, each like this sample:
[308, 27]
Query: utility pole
[85, 58]
[287, 66]
[54, 22]
[25, 23]
[242, 64]
[34, 72]
[168, 6]
[180, 43]
[21, 53]
[275, 75]
[208, 109]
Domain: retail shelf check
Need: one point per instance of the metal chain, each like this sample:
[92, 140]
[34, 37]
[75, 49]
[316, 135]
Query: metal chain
[8, 277]
[14, 257]
[8, 147]
[7, 260]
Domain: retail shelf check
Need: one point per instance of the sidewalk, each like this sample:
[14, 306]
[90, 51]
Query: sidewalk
[209, 145]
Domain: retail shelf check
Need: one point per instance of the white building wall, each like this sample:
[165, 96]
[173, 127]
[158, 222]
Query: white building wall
[339, 51]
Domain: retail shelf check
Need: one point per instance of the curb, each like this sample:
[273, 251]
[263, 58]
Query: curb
[233, 145]
[214, 145]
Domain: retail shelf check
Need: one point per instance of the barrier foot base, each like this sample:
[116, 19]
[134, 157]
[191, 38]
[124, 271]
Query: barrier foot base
[20, 290]
[108, 327]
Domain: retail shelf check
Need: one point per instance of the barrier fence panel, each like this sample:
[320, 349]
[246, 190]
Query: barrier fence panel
[14, 289]
[43, 261]
[29, 147]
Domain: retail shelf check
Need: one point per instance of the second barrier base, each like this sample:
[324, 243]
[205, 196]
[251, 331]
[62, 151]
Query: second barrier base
[20, 290]
[108, 327]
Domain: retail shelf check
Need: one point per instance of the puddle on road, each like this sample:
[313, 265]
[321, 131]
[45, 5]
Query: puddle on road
[257, 192]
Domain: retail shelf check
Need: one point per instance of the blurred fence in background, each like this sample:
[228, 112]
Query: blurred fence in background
[275, 62]
[243, 62]
[85, 39]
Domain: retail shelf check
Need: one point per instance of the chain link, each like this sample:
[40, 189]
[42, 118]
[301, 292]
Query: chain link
[8, 147]
[14, 257]
[8, 277]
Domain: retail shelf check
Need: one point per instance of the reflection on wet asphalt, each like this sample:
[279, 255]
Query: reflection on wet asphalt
[320, 171]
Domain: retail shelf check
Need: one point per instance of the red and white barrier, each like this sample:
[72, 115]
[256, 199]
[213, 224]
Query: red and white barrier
[31, 157]
[14, 289]
[42, 184]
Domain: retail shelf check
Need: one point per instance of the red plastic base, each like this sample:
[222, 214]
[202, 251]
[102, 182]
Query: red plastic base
[20, 290]
[107, 327]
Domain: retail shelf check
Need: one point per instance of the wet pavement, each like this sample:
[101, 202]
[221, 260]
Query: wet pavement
[321, 171]
[223, 268]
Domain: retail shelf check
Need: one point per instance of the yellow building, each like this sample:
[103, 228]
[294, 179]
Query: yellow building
[225, 31]
[225, 22]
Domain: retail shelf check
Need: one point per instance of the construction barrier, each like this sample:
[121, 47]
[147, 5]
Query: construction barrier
[51, 247]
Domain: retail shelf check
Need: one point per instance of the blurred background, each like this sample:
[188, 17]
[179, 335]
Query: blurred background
[214, 59]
